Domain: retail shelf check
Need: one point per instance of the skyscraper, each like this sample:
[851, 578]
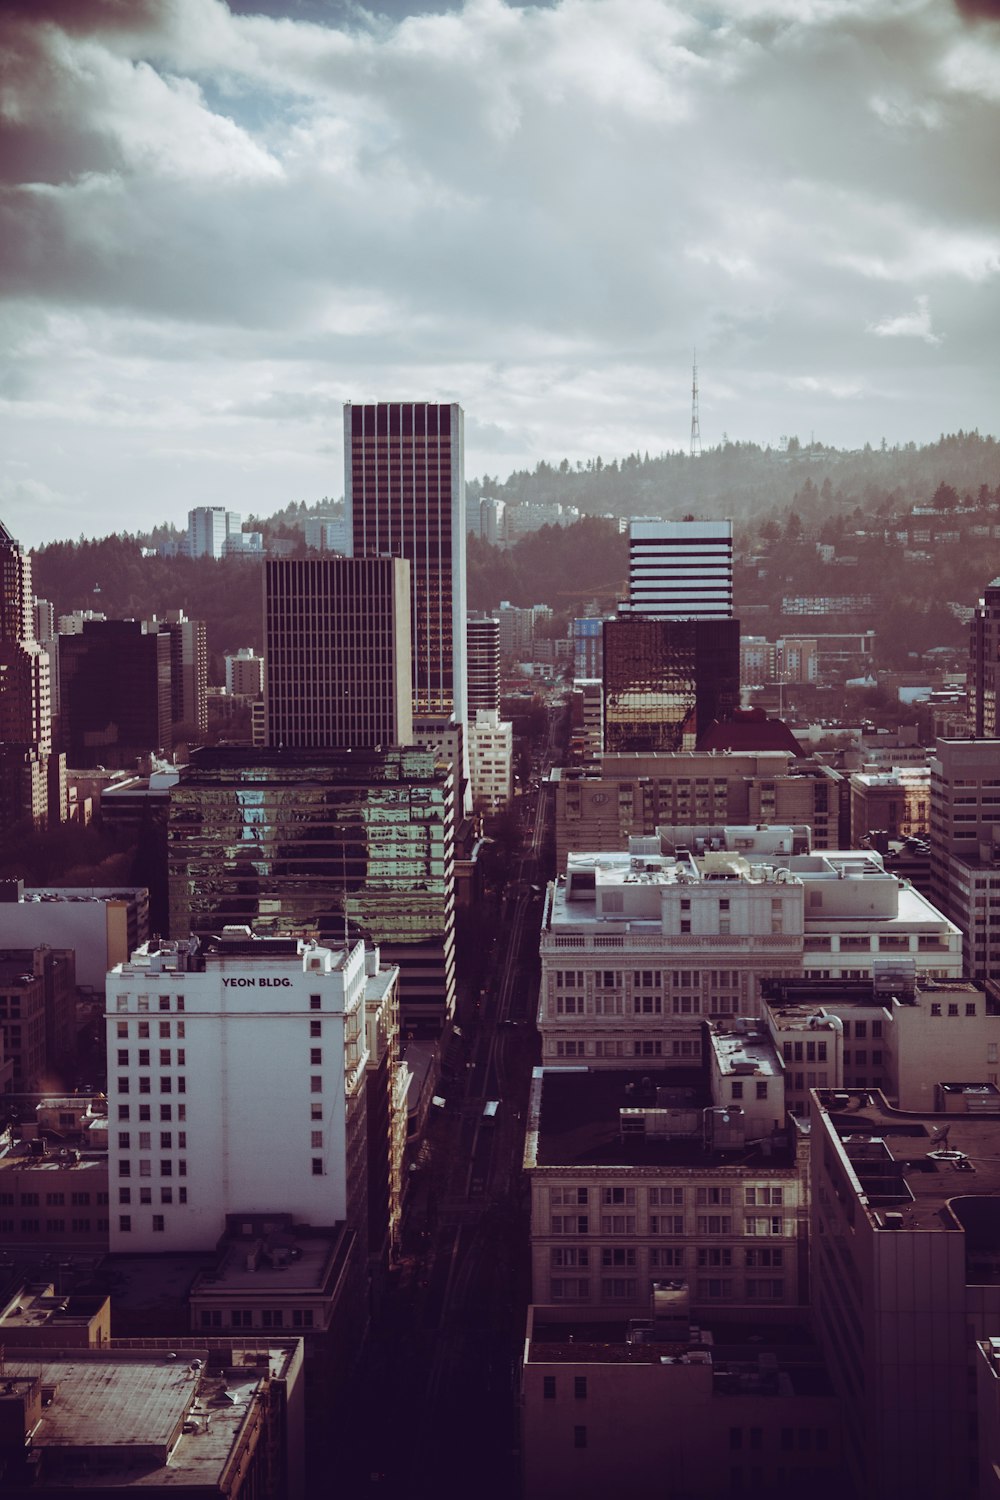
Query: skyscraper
[666, 680]
[337, 644]
[672, 657]
[484, 663]
[984, 663]
[404, 488]
[25, 710]
[115, 694]
[315, 841]
[680, 570]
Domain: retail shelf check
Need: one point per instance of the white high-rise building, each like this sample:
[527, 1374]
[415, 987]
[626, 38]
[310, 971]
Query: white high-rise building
[680, 570]
[212, 531]
[236, 1085]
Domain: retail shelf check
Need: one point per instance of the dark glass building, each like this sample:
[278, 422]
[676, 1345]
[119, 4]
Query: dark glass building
[115, 693]
[404, 489]
[665, 680]
[319, 843]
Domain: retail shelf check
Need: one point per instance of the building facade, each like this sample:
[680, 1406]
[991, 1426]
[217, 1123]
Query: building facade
[337, 644]
[310, 841]
[491, 758]
[484, 663]
[115, 693]
[198, 1036]
[983, 674]
[680, 570]
[404, 489]
[665, 680]
[25, 701]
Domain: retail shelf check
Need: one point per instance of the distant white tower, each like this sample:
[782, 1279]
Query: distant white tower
[680, 570]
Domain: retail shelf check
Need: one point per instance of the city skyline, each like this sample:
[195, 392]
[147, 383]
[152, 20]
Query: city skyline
[222, 221]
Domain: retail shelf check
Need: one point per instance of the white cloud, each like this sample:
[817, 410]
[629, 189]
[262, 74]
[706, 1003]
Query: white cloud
[219, 226]
[914, 325]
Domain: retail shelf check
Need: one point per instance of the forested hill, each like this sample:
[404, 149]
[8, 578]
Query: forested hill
[747, 482]
[807, 522]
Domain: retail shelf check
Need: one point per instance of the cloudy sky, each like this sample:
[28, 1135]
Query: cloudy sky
[219, 221]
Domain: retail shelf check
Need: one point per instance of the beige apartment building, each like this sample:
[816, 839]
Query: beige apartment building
[638, 1178]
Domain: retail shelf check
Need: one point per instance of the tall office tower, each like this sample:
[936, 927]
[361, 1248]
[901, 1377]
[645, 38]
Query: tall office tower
[188, 670]
[672, 657]
[208, 529]
[404, 487]
[984, 663]
[314, 842]
[484, 663]
[236, 1020]
[666, 680]
[680, 570]
[115, 693]
[25, 707]
[337, 645]
[965, 835]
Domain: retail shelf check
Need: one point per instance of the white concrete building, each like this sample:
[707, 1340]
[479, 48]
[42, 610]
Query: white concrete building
[235, 1084]
[491, 759]
[637, 947]
[102, 924]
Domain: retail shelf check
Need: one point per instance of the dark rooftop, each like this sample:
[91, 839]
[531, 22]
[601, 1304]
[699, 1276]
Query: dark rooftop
[939, 1171]
[579, 1121]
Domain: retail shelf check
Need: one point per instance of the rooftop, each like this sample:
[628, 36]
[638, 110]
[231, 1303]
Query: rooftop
[306, 1263]
[938, 1171]
[741, 1049]
[115, 1417]
[578, 1122]
[746, 1358]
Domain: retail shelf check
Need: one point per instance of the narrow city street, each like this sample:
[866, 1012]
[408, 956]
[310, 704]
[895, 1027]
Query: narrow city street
[436, 1399]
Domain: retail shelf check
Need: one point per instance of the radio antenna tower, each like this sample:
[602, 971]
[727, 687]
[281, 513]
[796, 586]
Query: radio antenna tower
[695, 422]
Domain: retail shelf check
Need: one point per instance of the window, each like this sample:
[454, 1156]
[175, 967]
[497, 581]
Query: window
[580, 1387]
[762, 1224]
[144, 1086]
[569, 1224]
[737, 1090]
[716, 1258]
[124, 1140]
[317, 1166]
[123, 1085]
[569, 1257]
[145, 1195]
[315, 1085]
[764, 1197]
[953, 1010]
[618, 1223]
[124, 1223]
[970, 1009]
[144, 1031]
[666, 1223]
[123, 1057]
[123, 1111]
[715, 1195]
[164, 1002]
[144, 1112]
[935, 1009]
[166, 1195]
[315, 1001]
[166, 1085]
[166, 1111]
[166, 1140]
[549, 1387]
[762, 1091]
[145, 1139]
[666, 1197]
[618, 1195]
[315, 1028]
[715, 1224]
[316, 1056]
[302, 1318]
[714, 1288]
[666, 1257]
[145, 1167]
[316, 1140]
[568, 1197]
[618, 1257]
[164, 1028]
[124, 1195]
[164, 1057]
